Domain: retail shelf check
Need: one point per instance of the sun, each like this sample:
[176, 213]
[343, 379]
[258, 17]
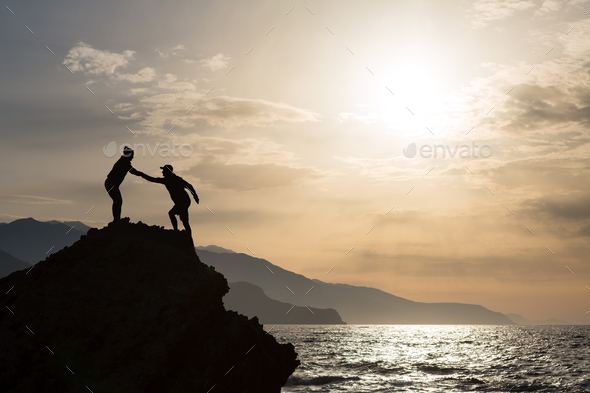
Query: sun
[420, 84]
[415, 94]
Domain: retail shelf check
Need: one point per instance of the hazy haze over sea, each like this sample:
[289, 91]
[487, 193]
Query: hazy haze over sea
[396, 358]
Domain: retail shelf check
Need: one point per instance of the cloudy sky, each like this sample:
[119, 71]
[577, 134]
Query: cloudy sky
[298, 114]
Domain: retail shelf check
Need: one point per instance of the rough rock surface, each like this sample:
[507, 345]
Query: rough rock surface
[130, 308]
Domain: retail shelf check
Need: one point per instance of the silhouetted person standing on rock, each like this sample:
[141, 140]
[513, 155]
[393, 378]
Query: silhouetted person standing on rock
[175, 186]
[116, 177]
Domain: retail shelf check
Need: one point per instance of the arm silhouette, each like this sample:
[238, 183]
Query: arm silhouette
[192, 191]
[151, 179]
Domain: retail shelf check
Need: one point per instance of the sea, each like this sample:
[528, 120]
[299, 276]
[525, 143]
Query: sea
[410, 358]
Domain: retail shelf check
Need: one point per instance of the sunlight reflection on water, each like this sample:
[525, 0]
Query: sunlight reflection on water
[398, 358]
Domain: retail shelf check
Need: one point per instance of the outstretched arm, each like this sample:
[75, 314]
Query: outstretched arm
[151, 179]
[192, 191]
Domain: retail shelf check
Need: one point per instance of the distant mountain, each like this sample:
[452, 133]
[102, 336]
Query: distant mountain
[250, 300]
[76, 224]
[9, 264]
[32, 241]
[356, 305]
[217, 249]
[520, 320]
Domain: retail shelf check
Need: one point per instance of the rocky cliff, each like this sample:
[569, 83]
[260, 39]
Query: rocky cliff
[130, 308]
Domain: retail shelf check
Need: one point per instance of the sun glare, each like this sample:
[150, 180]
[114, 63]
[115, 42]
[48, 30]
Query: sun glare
[419, 84]
[418, 89]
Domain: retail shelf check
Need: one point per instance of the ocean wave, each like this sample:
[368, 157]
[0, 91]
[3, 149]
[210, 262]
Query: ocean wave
[468, 381]
[378, 367]
[436, 370]
[519, 361]
[321, 380]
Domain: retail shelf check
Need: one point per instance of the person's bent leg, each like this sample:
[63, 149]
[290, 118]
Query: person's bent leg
[172, 215]
[184, 218]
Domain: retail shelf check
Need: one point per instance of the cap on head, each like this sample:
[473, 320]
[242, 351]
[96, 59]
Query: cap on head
[127, 152]
[167, 168]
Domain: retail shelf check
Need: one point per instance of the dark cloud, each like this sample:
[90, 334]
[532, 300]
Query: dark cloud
[564, 216]
[531, 107]
[584, 231]
[500, 267]
[571, 207]
[542, 173]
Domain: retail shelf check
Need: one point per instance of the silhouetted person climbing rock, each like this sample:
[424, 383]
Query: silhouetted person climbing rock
[175, 186]
[116, 177]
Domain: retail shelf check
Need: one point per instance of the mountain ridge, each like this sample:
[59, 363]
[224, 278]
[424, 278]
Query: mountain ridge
[251, 301]
[356, 305]
[79, 225]
[520, 320]
[216, 249]
[9, 264]
[32, 241]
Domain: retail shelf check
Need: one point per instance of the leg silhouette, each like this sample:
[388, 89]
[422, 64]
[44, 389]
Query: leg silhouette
[116, 177]
[115, 195]
[173, 219]
[184, 219]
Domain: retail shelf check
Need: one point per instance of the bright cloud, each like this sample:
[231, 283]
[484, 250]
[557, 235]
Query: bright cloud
[549, 6]
[485, 11]
[170, 81]
[85, 58]
[230, 112]
[144, 75]
[8, 198]
[216, 62]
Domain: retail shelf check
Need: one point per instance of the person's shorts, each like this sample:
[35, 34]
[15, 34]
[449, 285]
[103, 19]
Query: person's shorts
[109, 185]
[179, 209]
